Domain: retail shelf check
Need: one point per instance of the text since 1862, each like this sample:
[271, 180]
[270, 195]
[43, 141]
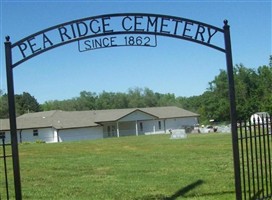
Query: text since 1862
[117, 40]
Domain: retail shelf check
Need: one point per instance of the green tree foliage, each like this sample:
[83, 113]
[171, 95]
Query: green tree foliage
[3, 105]
[216, 101]
[24, 103]
[253, 94]
[246, 91]
[86, 101]
[264, 91]
[134, 98]
[106, 100]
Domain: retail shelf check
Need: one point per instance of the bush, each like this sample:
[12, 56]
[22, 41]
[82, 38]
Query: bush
[39, 141]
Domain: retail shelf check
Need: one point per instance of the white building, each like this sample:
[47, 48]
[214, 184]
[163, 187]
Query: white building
[259, 118]
[60, 126]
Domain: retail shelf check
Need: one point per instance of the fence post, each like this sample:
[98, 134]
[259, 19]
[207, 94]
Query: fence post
[12, 120]
[233, 114]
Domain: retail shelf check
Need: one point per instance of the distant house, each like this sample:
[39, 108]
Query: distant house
[60, 126]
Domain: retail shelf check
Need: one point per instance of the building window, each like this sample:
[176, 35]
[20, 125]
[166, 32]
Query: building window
[141, 126]
[159, 123]
[2, 135]
[35, 132]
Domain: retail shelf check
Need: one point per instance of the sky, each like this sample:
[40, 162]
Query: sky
[174, 66]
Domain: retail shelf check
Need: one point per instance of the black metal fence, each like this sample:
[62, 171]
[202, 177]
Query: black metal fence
[255, 146]
[5, 165]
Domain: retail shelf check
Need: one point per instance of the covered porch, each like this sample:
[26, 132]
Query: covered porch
[134, 123]
[129, 128]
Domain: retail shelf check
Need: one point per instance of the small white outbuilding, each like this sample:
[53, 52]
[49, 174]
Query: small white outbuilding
[259, 118]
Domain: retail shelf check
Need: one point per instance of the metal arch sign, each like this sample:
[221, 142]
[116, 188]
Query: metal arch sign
[128, 29]
[115, 30]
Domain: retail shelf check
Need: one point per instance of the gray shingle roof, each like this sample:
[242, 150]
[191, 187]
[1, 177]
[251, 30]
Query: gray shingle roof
[4, 124]
[111, 114]
[74, 119]
[169, 112]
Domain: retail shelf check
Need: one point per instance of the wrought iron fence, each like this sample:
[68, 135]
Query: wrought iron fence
[255, 158]
[4, 168]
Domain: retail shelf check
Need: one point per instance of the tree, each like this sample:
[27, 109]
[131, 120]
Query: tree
[216, 100]
[135, 98]
[246, 95]
[4, 113]
[26, 103]
[120, 100]
[167, 100]
[86, 101]
[105, 101]
[264, 92]
[149, 98]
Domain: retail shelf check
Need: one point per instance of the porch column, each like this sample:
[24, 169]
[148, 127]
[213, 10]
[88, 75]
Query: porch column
[57, 135]
[154, 127]
[136, 127]
[117, 126]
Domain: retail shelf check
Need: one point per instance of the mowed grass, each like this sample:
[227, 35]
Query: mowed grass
[143, 167]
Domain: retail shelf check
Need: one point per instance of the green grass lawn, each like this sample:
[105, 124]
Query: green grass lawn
[143, 167]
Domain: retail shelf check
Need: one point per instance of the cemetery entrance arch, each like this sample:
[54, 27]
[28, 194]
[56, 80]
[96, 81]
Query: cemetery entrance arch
[114, 30]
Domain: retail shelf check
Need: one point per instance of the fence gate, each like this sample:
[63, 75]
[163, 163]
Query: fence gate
[5, 165]
[129, 29]
[255, 145]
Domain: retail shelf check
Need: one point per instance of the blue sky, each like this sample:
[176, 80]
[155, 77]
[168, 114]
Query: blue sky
[174, 66]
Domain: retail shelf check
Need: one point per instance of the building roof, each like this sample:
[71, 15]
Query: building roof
[169, 112]
[262, 114]
[74, 119]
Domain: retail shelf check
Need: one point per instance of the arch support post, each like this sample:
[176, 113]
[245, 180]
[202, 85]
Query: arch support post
[233, 113]
[12, 121]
